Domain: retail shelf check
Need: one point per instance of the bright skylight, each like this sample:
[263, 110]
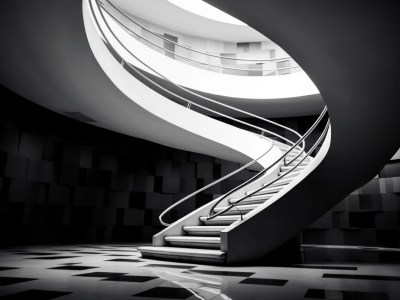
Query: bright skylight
[206, 10]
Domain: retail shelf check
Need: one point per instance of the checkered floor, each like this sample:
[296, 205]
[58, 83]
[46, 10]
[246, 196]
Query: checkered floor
[118, 272]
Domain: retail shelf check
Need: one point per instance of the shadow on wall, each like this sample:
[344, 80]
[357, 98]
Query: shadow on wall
[65, 181]
[369, 217]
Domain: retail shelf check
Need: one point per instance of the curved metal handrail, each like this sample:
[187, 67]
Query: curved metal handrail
[191, 59]
[210, 185]
[301, 148]
[212, 215]
[263, 130]
[186, 47]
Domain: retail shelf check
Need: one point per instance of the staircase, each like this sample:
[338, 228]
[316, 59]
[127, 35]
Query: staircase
[201, 240]
[212, 233]
[360, 91]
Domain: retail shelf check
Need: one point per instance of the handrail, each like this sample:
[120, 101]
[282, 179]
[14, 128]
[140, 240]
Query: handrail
[234, 205]
[210, 185]
[301, 148]
[263, 130]
[191, 59]
[186, 47]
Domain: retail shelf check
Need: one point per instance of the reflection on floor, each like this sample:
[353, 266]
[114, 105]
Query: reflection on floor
[118, 272]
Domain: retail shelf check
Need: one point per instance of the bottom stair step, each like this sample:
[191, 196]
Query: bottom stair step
[204, 230]
[208, 242]
[183, 254]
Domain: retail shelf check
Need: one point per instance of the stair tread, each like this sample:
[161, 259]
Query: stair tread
[268, 190]
[231, 217]
[196, 252]
[290, 167]
[204, 228]
[281, 181]
[291, 174]
[241, 207]
[220, 220]
[199, 239]
[255, 197]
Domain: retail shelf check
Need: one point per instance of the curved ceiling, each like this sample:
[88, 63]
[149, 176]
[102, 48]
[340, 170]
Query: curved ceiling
[206, 10]
[165, 14]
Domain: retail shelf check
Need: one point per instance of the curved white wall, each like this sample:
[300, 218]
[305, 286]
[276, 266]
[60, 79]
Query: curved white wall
[251, 87]
[215, 137]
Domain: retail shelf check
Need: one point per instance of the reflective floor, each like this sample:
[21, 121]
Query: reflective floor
[118, 272]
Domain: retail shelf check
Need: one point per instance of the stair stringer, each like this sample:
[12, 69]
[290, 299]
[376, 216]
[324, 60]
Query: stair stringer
[249, 232]
[360, 92]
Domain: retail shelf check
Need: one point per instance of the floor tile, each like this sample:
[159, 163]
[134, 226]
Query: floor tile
[72, 268]
[343, 268]
[35, 253]
[52, 257]
[264, 281]
[6, 268]
[221, 273]
[113, 275]
[13, 280]
[166, 293]
[345, 295]
[130, 278]
[170, 266]
[101, 274]
[362, 277]
[35, 295]
[124, 260]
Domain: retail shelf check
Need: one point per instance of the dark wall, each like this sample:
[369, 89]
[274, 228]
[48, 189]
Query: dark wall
[370, 216]
[65, 181]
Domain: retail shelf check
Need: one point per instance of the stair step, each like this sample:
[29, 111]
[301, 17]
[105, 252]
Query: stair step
[183, 254]
[292, 154]
[303, 163]
[285, 169]
[268, 190]
[290, 175]
[294, 162]
[208, 242]
[246, 208]
[256, 199]
[285, 180]
[287, 147]
[221, 220]
[204, 230]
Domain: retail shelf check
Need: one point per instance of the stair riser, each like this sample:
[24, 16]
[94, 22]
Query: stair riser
[256, 201]
[285, 169]
[280, 183]
[234, 211]
[203, 233]
[218, 222]
[200, 245]
[187, 258]
[267, 190]
[290, 175]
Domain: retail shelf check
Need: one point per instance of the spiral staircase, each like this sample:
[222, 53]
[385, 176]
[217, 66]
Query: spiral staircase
[203, 234]
[295, 183]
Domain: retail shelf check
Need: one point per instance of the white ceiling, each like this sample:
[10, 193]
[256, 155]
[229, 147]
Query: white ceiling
[170, 16]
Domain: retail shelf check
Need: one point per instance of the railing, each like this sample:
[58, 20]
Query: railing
[237, 66]
[212, 215]
[299, 145]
